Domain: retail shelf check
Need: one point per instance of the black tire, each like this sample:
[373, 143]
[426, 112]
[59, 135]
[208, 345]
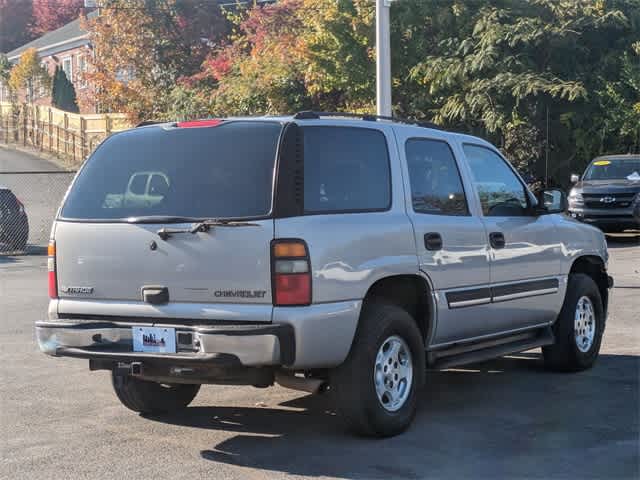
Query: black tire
[352, 383]
[564, 355]
[151, 397]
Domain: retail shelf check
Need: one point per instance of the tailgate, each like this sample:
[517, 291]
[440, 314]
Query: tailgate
[116, 261]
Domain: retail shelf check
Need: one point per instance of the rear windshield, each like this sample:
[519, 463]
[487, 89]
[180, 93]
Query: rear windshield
[211, 172]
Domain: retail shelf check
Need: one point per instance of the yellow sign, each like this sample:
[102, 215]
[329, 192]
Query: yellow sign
[602, 163]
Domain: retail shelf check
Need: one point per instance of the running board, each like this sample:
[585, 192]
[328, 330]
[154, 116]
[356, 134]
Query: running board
[482, 351]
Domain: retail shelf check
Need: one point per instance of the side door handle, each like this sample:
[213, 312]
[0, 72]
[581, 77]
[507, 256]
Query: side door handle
[433, 241]
[496, 239]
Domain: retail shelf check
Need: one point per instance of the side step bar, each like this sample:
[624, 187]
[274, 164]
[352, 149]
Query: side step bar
[480, 352]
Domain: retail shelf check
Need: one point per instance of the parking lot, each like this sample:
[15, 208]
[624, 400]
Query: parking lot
[502, 419]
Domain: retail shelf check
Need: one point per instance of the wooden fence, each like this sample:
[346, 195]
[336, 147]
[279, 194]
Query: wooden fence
[69, 136]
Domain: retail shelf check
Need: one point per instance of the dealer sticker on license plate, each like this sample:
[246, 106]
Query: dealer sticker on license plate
[154, 339]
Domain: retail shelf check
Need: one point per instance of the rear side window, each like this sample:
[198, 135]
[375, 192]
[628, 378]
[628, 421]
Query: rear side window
[211, 172]
[345, 170]
[436, 187]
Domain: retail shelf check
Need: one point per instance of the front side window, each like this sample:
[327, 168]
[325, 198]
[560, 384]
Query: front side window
[436, 187]
[345, 170]
[501, 193]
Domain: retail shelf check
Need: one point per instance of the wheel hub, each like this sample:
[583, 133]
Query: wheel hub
[584, 326]
[393, 373]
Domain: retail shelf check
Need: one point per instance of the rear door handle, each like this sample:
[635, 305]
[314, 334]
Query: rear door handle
[433, 241]
[155, 294]
[496, 239]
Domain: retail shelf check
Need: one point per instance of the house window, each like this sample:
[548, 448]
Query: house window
[82, 68]
[41, 90]
[125, 75]
[67, 66]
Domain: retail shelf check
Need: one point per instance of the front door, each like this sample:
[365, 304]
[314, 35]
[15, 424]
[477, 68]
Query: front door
[451, 242]
[526, 285]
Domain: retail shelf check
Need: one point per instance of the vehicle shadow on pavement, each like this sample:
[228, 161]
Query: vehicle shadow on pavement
[624, 240]
[5, 259]
[503, 418]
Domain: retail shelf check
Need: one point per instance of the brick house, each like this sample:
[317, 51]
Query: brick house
[70, 48]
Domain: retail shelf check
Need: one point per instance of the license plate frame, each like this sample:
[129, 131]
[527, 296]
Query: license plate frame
[154, 339]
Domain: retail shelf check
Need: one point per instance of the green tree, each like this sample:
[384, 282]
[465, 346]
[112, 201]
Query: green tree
[518, 62]
[63, 93]
[55, 89]
[5, 68]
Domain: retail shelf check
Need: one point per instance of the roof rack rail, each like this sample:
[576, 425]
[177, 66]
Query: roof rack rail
[312, 115]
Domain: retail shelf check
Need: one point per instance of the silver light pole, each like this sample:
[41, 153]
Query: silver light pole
[383, 58]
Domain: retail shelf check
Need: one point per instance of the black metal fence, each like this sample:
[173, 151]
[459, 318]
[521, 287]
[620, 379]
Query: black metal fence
[28, 204]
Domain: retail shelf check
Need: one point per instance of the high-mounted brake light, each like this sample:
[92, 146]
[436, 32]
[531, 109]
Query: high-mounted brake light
[51, 267]
[199, 123]
[291, 273]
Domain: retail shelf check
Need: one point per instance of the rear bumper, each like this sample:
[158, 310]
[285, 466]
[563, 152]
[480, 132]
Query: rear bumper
[240, 345]
[315, 336]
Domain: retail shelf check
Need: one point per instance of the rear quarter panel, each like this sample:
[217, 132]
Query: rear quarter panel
[351, 251]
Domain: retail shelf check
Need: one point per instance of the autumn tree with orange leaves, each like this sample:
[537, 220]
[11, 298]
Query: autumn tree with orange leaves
[292, 55]
[143, 47]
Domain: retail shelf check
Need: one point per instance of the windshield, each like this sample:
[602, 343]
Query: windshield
[214, 172]
[613, 169]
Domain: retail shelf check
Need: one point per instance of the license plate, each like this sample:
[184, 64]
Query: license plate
[154, 339]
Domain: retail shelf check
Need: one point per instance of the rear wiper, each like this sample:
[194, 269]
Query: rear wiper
[161, 219]
[203, 226]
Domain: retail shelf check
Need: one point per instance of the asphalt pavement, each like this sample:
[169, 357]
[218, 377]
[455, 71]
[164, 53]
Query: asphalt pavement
[12, 160]
[506, 418]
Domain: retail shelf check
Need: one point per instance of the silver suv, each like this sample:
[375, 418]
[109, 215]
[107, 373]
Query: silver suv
[323, 252]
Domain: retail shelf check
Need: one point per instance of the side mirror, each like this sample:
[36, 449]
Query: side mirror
[575, 178]
[550, 201]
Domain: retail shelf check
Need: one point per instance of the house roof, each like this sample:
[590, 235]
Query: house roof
[72, 35]
[68, 36]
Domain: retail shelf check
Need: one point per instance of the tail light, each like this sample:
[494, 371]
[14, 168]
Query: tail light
[20, 206]
[51, 267]
[291, 273]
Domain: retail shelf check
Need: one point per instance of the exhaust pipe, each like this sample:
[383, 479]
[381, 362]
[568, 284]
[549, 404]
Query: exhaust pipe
[310, 385]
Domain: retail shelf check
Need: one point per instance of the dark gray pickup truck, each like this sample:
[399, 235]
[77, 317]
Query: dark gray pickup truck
[608, 193]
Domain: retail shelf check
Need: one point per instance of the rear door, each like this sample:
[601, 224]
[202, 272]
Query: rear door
[451, 242]
[109, 249]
